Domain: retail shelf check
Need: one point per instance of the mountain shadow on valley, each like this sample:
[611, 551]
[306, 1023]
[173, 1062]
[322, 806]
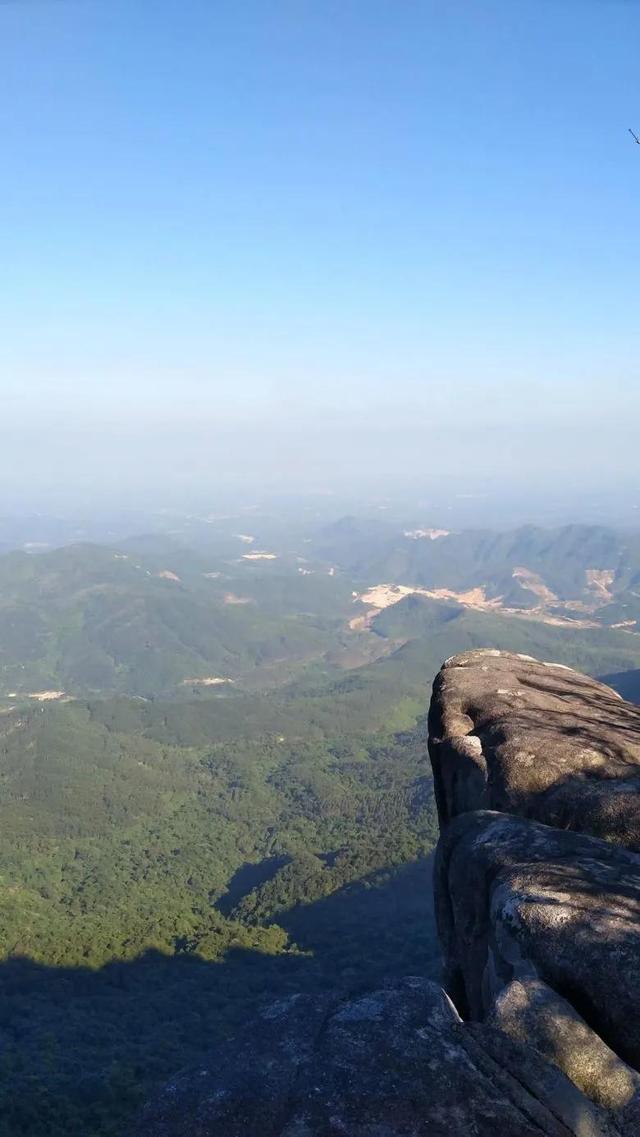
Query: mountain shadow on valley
[82, 1048]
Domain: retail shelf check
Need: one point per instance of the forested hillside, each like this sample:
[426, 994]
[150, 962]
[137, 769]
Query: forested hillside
[86, 618]
[216, 860]
[461, 560]
[147, 617]
[214, 788]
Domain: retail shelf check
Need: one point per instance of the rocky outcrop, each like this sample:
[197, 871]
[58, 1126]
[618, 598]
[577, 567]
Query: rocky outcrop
[537, 884]
[536, 739]
[392, 1062]
[519, 899]
[540, 923]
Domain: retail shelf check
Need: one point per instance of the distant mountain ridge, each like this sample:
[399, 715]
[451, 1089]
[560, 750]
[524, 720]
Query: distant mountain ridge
[151, 615]
[583, 565]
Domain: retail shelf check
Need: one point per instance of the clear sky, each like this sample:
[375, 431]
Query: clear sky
[318, 240]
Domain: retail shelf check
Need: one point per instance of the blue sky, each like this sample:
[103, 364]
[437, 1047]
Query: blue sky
[239, 235]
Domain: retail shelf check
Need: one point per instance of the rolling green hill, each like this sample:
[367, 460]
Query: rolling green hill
[434, 630]
[145, 618]
[86, 618]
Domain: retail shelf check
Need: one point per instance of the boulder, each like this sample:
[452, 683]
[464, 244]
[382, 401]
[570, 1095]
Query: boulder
[519, 900]
[509, 733]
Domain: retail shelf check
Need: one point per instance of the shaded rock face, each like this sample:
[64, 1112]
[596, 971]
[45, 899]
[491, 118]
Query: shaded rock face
[540, 923]
[390, 1062]
[517, 899]
[507, 732]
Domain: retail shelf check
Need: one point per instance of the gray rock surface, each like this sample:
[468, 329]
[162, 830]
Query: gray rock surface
[516, 899]
[507, 732]
[392, 1062]
[529, 1011]
[540, 923]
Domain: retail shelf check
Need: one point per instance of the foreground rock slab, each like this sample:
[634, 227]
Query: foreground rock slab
[508, 732]
[397, 1061]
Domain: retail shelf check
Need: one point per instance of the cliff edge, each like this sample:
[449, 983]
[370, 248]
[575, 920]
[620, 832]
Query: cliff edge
[537, 878]
[537, 885]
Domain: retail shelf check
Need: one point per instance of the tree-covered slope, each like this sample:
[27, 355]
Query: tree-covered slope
[86, 618]
[432, 630]
[561, 558]
[130, 828]
[171, 853]
[148, 617]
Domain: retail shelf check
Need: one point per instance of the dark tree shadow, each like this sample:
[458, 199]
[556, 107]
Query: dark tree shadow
[81, 1048]
[250, 875]
[626, 683]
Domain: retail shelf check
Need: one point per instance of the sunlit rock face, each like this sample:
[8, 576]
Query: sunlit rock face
[510, 733]
[530, 1011]
[517, 899]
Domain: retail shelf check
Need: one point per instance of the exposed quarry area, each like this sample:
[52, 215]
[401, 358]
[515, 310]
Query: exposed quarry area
[549, 609]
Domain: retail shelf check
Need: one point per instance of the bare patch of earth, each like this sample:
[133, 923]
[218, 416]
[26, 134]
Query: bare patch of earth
[207, 681]
[47, 696]
[381, 596]
[534, 583]
[598, 581]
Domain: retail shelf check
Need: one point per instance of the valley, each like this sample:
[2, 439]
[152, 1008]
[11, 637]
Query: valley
[214, 781]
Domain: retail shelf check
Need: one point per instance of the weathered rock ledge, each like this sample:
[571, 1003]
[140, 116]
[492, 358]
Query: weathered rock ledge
[537, 880]
[392, 1062]
[537, 884]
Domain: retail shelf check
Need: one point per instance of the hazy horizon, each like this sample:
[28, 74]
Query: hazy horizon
[339, 248]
